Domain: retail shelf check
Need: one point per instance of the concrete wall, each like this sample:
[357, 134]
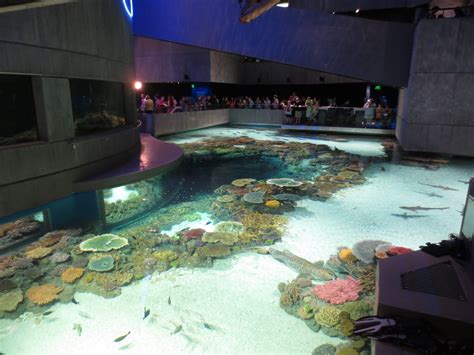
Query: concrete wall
[359, 48]
[85, 39]
[188, 121]
[439, 103]
[40, 173]
[256, 117]
[159, 62]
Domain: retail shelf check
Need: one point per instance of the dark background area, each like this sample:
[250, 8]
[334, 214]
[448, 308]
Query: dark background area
[354, 92]
[17, 106]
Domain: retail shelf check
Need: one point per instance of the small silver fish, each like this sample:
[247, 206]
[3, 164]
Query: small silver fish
[77, 327]
[122, 337]
[169, 300]
[47, 313]
[177, 330]
[146, 313]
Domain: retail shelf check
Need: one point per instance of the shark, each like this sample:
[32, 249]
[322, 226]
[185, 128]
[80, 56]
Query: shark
[447, 188]
[420, 208]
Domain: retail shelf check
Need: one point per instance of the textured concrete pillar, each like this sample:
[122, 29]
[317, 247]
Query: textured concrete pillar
[129, 96]
[53, 108]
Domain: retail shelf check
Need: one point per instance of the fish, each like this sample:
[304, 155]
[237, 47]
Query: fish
[382, 168]
[122, 337]
[301, 265]
[208, 326]
[74, 301]
[408, 216]
[169, 300]
[464, 182]
[209, 222]
[47, 313]
[146, 313]
[447, 188]
[177, 330]
[84, 315]
[431, 194]
[77, 327]
[420, 208]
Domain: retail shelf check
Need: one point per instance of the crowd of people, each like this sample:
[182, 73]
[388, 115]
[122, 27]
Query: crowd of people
[298, 110]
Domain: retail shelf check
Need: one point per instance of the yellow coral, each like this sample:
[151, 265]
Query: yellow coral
[38, 253]
[346, 255]
[328, 316]
[43, 294]
[165, 255]
[72, 274]
[272, 204]
[259, 225]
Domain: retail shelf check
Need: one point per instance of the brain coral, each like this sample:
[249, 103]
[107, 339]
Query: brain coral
[72, 274]
[43, 294]
[328, 316]
[9, 301]
[104, 242]
[338, 291]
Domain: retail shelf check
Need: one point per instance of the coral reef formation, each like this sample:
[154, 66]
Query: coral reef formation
[101, 263]
[43, 294]
[72, 274]
[10, 300]
[338, 291]
[365, 249]
[284, 182]
[242, 182]
[104, 242]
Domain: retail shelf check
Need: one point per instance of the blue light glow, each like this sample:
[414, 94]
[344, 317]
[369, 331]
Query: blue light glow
[128, 4]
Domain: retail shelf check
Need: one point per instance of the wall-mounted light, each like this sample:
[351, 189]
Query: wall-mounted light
[357, 11]
[283, 3]
[138, 85]
[128, 5]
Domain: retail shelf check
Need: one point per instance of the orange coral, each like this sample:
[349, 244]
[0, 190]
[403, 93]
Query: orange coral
[38, 253]
[72, 274]
[43, 294]
[346, 255]
[381, 255]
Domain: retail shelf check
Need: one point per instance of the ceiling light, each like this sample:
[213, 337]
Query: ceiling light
[138, 85]
[283, 3]
[357, 11]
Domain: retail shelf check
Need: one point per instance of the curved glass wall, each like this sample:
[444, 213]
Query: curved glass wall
[97, 105]
[17, 110]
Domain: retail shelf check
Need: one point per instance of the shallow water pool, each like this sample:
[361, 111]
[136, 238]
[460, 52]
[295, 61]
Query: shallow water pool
[209, 291]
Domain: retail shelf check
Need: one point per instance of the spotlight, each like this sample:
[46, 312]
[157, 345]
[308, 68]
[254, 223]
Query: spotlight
[357, 11]
[138, 85]
[283, 3]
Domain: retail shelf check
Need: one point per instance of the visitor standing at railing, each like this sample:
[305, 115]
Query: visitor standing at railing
[275, 103]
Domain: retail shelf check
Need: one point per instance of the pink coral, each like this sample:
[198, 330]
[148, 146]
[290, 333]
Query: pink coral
[338, 291]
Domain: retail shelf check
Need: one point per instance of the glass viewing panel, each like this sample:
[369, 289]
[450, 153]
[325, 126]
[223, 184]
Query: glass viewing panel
[17, 110]
[21, 230]
[97, 105]
[467, 228]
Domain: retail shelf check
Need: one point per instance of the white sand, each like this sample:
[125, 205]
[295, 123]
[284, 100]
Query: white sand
[238, 298]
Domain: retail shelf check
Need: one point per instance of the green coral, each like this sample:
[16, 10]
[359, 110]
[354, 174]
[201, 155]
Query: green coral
[218, 237]
[101, 263]
[357, 309]
[347, 351]
[9, 301]
[104, 242]
[328, 316]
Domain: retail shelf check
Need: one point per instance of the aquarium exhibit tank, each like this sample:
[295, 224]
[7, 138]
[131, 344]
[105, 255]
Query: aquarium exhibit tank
[260, 241]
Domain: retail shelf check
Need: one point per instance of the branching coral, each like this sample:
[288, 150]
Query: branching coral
[338, 291]
[259, 225]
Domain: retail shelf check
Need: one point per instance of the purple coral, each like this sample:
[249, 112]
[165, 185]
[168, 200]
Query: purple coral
[338, 291]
